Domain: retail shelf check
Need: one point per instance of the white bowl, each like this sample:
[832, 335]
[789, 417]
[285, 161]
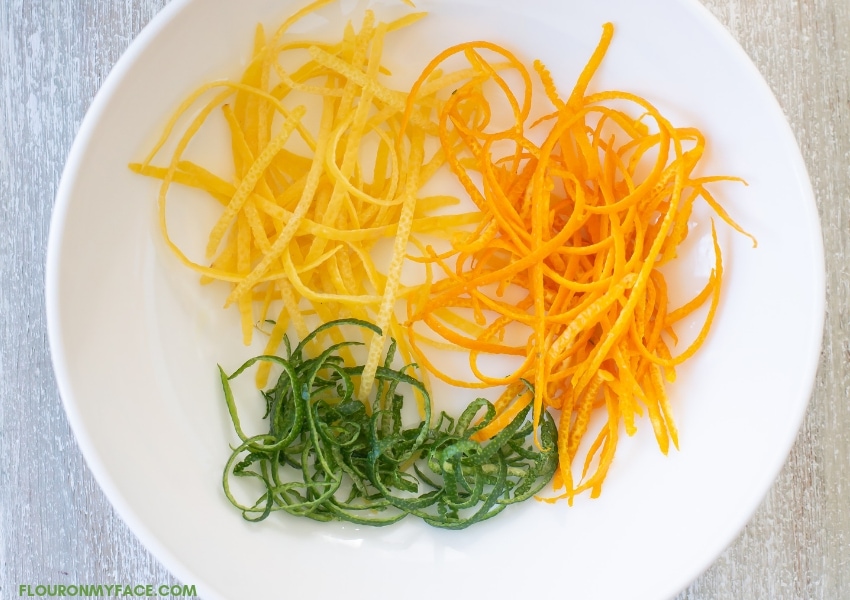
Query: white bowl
[135, 341]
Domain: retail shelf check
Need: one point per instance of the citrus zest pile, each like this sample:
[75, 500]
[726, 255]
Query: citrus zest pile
[325, 457]
[580, 224]
[302, 211]
[559, 267]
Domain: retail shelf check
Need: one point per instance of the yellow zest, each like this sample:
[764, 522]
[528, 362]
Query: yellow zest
[301, 213]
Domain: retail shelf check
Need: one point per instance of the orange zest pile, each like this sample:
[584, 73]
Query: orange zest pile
[580, 225]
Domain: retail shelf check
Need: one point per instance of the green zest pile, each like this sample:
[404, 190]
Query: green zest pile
[327, 458]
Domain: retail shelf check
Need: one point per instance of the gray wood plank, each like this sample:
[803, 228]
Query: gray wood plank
[56, 526]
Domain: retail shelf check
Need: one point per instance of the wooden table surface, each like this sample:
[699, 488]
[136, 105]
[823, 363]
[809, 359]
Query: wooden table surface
[56, 526]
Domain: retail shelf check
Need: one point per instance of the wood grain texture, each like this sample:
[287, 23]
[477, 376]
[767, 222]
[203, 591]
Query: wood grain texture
[56, 526]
